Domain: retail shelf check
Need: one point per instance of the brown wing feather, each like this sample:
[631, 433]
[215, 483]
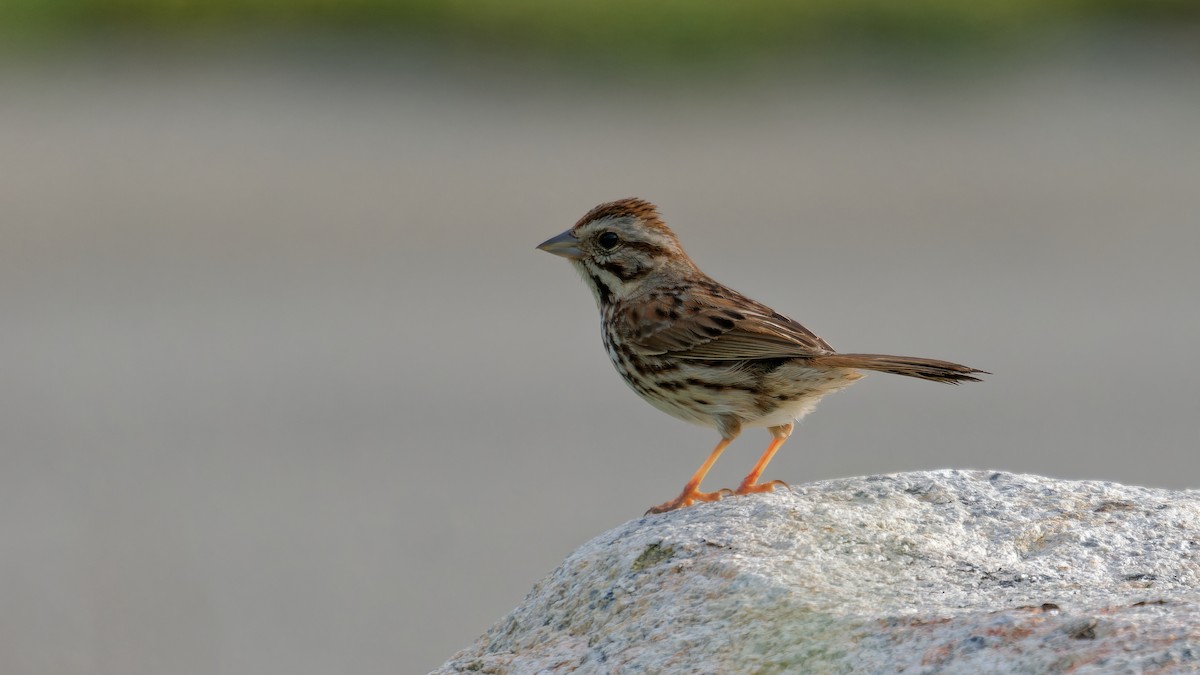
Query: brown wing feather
[715, 323]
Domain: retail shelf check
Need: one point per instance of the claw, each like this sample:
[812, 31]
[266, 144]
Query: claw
[691, 492]
[752, 488]
[688, 498]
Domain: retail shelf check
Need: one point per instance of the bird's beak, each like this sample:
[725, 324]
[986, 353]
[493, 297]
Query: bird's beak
[564, 244]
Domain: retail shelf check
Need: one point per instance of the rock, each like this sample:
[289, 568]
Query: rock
[941, 571]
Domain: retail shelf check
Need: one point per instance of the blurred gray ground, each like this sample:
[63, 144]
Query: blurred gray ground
[285, 388]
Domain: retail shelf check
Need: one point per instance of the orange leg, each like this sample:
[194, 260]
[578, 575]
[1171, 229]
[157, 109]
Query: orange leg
[750, 484]
[691, 492]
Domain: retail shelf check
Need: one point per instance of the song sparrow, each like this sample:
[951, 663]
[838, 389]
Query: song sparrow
[703, 352]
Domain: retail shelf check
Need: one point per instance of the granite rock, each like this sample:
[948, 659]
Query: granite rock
[940, 571]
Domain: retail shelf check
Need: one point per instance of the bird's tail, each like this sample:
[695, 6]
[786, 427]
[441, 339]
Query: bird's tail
[926, 369]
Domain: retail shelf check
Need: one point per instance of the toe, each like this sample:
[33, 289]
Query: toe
[710, 496]
[753, 488]
[687, 499]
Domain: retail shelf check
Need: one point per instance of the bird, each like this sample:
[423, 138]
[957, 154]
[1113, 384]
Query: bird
[703, 352]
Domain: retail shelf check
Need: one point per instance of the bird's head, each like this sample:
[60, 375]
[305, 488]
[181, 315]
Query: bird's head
[621, 247]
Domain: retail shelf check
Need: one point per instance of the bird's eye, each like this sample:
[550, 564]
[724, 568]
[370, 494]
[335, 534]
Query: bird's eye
[608, 241]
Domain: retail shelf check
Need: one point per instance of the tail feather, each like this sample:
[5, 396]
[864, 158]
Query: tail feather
[926, 369]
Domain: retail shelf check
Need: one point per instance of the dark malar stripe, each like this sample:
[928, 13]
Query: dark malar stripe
[602, 289]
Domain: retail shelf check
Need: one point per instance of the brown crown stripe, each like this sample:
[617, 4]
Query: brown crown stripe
[631, 207]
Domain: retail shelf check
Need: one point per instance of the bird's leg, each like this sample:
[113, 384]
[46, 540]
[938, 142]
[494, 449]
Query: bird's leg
[691, 492]
[750, 484]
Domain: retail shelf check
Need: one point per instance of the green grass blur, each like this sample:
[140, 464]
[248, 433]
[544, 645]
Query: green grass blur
[617, 32]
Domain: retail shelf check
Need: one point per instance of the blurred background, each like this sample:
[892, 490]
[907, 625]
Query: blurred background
[285, 387]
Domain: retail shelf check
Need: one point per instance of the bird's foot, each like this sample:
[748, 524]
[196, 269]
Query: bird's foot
[687, 498]
[747, 488]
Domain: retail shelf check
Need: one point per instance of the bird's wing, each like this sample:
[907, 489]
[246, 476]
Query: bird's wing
[714, 324]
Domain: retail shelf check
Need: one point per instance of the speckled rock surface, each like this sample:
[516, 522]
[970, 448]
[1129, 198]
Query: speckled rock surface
[944, 571]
